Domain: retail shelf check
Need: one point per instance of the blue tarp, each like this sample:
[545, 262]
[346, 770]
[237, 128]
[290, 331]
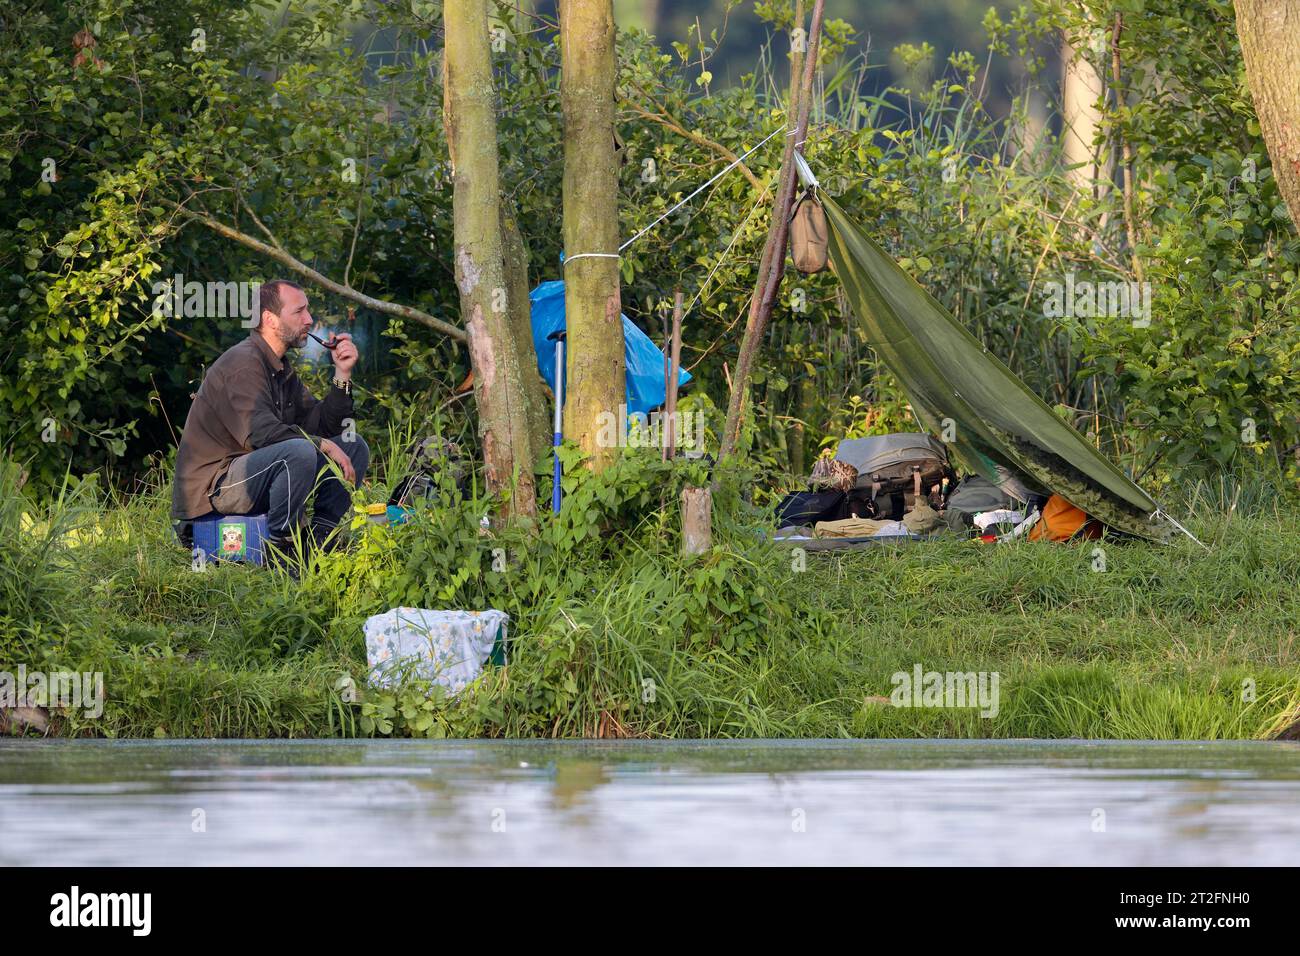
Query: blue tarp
[645, 362]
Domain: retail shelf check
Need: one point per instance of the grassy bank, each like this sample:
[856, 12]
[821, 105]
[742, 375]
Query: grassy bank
[614, 635]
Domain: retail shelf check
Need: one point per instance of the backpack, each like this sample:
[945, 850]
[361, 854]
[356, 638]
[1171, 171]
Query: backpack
[808, 235]
[894, 471]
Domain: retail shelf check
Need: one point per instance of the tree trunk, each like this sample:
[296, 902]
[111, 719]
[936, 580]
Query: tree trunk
[470, 119]
[1081, 92]
[595, 381]
[1124, 149]
[1270, 46]
[521, 324]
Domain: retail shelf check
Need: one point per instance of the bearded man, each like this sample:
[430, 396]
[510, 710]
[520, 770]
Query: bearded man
[256, 440]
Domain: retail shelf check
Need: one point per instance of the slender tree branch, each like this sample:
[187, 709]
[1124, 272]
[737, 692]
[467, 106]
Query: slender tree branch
[261, 225]
[668, 123]
[301, 268]
[356, 226]
[307, 272]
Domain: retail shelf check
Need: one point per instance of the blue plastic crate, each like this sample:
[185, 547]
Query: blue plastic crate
[231, 537]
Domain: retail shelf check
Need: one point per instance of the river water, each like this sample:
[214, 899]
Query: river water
[881, 803]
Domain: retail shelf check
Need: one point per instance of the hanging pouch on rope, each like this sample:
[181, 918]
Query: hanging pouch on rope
[808, 234]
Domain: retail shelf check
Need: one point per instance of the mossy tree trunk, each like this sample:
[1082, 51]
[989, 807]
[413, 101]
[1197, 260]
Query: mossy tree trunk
[521, 323]
[1270, 46]
[469, 113]
[592, 309]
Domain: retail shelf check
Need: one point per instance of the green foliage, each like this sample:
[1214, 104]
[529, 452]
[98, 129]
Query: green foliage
[262, 127]
[624, 517]
[1206, 385]
[621, 636]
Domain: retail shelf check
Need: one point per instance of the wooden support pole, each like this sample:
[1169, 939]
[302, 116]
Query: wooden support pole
[772, 266]
[669, 430]
[668, 366]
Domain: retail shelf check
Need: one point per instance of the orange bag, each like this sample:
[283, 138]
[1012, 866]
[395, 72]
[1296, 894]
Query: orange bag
[1062, 521]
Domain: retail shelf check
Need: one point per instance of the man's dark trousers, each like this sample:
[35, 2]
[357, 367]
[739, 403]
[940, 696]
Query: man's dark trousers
[279, 478]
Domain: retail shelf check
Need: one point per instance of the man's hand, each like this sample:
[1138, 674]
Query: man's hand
[339, 457]
[345, 355]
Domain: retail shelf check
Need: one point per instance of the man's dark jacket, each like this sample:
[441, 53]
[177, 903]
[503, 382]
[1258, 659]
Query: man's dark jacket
[249, 399]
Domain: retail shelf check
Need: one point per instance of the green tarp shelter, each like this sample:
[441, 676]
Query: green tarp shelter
[1002, 429]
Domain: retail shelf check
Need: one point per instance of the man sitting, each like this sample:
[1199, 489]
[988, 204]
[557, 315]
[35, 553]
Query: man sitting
[256, 440]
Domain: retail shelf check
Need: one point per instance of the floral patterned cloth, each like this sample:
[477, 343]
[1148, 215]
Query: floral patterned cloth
[445, 647]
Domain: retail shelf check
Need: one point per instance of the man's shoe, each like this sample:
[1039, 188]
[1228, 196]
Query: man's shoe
[329, 540]
[287, 553]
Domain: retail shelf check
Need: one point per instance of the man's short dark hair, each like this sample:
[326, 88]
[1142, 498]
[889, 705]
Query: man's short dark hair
[269, 298]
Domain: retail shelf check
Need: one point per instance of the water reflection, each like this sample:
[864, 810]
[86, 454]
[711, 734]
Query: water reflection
[848, 802]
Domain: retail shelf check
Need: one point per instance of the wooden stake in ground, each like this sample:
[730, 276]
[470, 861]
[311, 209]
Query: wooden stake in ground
[668, 348]
[1270, 46]
[669, 430]
[772, 266]
[697, 520]
[470, 120]
[592, 308]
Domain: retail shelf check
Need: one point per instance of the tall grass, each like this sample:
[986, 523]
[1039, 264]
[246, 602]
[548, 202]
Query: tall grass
[610, 637]
[39, 573]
